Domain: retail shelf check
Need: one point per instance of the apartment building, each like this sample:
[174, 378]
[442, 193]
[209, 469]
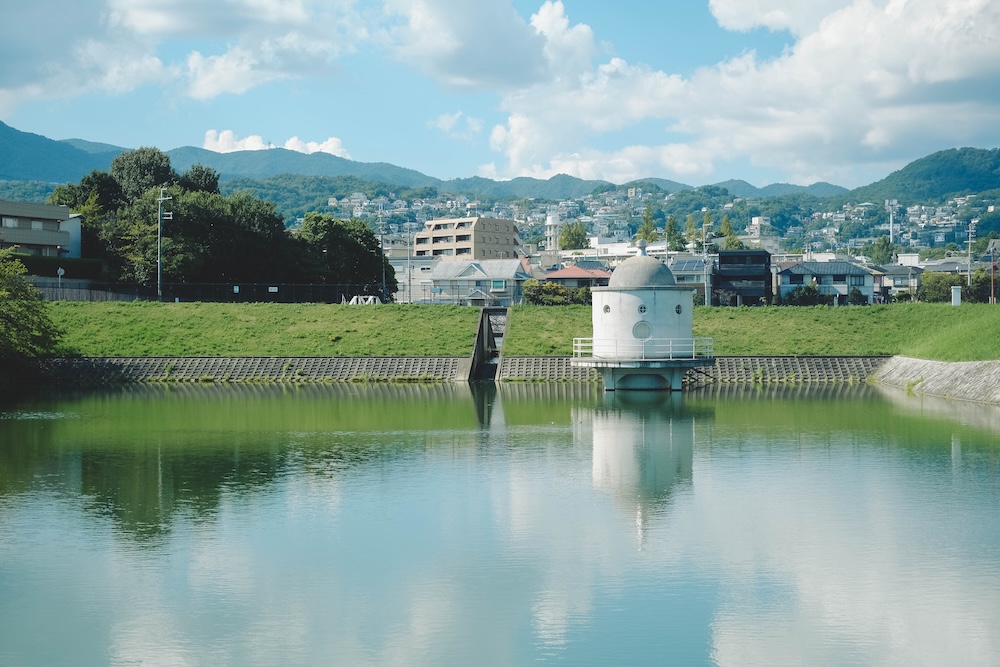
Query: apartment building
[472, 238]
[39, 229]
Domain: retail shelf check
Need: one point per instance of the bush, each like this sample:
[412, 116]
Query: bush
[806, 295]
[537, 293]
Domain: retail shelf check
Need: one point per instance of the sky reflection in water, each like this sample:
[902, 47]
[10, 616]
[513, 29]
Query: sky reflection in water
[436, 526]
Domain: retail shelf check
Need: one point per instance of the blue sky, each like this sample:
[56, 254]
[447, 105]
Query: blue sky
[700, 91]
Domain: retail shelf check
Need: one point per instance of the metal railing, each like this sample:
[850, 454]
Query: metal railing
[640, 350]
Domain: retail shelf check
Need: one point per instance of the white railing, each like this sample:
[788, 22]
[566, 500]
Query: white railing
[650, 349]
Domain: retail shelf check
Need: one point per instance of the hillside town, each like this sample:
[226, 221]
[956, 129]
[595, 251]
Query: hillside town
[835, 250]
[457, 250]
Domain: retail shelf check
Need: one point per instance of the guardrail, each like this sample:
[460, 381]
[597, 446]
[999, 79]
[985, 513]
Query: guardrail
[639, 350]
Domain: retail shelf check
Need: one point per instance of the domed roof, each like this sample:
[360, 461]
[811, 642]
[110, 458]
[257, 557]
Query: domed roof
[641, 271]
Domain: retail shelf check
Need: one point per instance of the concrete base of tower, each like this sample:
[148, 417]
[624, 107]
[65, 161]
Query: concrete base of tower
[645, 375]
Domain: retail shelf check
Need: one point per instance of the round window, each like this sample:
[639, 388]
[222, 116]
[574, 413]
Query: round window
[642, 331]
[642, 309]
[677, 309]
[607, 309]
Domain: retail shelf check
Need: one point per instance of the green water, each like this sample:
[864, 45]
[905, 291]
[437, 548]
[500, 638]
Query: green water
[554, 524]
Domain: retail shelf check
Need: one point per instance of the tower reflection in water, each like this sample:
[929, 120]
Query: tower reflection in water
[643, 445]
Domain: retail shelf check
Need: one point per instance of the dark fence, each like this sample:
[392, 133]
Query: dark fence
[224, 293]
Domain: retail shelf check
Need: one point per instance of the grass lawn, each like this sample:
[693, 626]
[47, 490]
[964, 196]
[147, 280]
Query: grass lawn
[263, 329]
[924, 330]
[929, 331]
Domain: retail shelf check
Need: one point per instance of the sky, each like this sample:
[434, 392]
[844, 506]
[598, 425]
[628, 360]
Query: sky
[696, 91]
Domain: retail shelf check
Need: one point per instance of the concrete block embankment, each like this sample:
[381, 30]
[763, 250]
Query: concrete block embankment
[89, 371]
[964, 380]
[726, 370]
[788, 370]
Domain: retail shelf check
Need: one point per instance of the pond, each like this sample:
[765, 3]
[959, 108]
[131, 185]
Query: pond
[526, 524]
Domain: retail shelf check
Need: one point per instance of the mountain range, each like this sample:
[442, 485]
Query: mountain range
[31, 157]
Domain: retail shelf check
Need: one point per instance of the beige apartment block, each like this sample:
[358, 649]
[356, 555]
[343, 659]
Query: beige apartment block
[39, 229]
[468, 239]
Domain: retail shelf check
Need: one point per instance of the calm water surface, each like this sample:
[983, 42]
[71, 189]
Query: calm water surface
[530, 524]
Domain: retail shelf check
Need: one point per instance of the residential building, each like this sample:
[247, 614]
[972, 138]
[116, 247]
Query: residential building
[39, 229]
[488, 282]
[901, 278]
[743, 278]
[468, 239]
[577, 276]
[834, 279]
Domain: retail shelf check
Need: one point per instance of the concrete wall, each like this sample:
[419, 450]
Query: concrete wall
[967, 380]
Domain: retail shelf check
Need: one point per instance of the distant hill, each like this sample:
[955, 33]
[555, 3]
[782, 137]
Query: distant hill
[275, 161]
[939, 175]
[32, 157]
[662, 183]
[94, 147]
[559, 186]
[743, 189]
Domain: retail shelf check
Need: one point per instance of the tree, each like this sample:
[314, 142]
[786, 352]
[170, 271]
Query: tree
[347, 252]
[726, 228]
[690, 231]
[25, 328]
[200, 177]
[881, 251]
[573, 236]
[647, 231]
[673, 235]
[936, 286]
[856, 298]
[139, 170]
[732, 242]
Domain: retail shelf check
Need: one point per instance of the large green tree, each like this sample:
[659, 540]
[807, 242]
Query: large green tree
[346, 252]
[673, 235]
[25, 328]
[647, 230]
[936, 286]
[573, 236]
[881, 251]
[139, 170]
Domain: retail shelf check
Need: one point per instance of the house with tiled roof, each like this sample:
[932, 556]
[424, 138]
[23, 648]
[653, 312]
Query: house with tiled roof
[578, 276]
[486, 282]
[833, 279]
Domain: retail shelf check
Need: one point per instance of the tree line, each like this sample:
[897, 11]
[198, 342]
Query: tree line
[208, 237]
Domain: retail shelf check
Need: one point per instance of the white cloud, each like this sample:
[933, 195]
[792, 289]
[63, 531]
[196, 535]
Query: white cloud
[227, 142]
[864, 88]
[795, 16]
[457, 125]
[237, 71]
[333, 146]
[466, 44]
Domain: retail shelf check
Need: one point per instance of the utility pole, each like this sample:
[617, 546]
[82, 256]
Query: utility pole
[890, 205]
[381, 248]
[972, 235]
[160, 217]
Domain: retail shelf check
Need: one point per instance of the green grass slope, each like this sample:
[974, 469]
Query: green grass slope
[928, 331]
[263, 329]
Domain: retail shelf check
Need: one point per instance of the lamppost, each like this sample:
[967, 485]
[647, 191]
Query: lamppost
[160, 217]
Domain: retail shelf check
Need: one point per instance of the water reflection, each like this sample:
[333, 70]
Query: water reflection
[643, 444]
[454, 525]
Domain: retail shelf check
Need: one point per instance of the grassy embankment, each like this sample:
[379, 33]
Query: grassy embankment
[928, 331]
